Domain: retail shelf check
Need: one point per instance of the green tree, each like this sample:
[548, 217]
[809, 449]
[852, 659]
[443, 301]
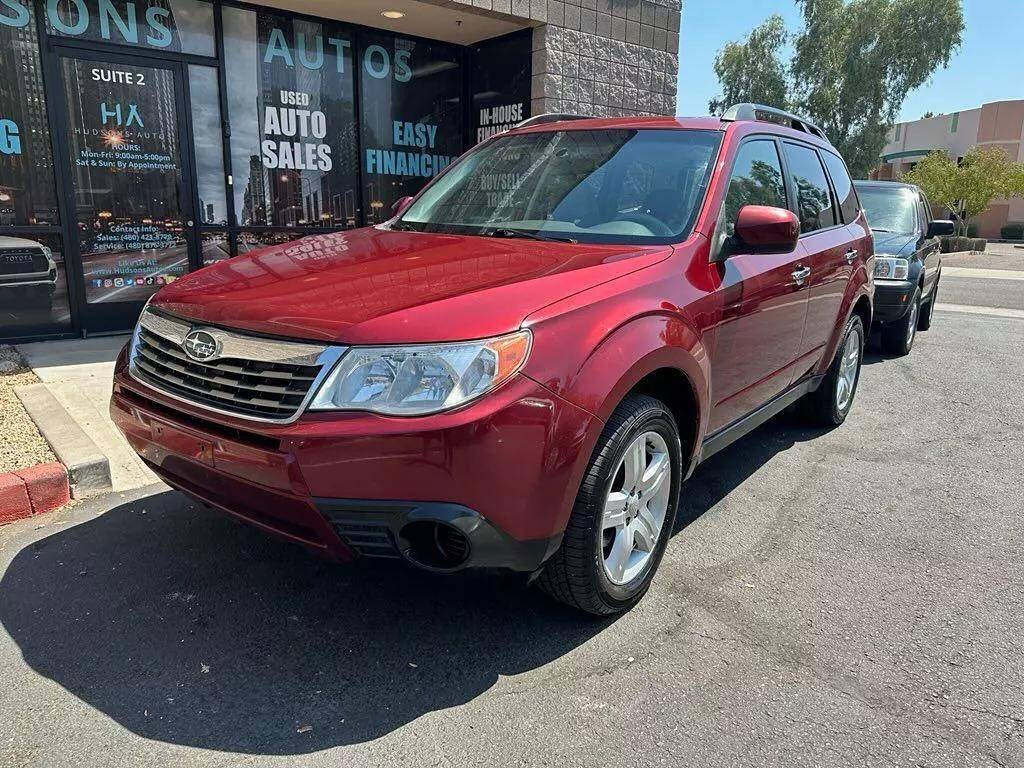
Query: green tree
[752, 70]
[853, 63]
[967, 188]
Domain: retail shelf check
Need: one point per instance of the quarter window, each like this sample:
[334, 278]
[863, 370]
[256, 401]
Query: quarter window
[845, 194]
[756, 180]
[814, 203]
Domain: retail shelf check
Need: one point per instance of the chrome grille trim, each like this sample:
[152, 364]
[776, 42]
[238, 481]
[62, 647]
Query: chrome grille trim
[236, 345]
[252, 378]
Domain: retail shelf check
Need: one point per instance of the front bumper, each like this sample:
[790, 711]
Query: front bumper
[503, 472]
[36, 280]
[892, 299]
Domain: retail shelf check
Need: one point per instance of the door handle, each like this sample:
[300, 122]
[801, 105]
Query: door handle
[851, 256]
[800, 275]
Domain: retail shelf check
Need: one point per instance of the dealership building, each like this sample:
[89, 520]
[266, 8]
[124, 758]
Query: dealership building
[998, 124]
[143, 139]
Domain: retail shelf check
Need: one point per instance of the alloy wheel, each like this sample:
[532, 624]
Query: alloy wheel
[635, 507]
[912, 323]
[849, 365]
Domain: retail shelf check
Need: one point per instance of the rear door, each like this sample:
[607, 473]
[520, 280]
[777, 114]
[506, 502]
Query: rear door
[826, 243]
[763, 305]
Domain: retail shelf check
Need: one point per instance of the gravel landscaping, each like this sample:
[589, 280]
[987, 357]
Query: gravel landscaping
[21, 445]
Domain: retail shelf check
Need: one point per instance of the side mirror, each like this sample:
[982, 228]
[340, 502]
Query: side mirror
[941, 228]
[400, 205]
[765, 229]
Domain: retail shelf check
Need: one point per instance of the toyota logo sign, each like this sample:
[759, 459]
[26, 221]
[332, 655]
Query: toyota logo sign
[200, 346]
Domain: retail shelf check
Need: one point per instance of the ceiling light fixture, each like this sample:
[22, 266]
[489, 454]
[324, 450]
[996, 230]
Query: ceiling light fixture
[392, 14]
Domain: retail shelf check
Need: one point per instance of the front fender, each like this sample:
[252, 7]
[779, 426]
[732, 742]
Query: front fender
[612, 363]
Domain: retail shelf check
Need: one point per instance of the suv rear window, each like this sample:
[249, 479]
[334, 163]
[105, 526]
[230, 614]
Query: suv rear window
[608, 186]
[814, 203]
[843, 185]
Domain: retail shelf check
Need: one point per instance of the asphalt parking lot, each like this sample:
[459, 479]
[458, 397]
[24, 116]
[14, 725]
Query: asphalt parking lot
[853, 597]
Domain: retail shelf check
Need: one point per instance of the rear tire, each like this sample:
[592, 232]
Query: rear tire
[898, 338]
[593, 570]
[831, 402]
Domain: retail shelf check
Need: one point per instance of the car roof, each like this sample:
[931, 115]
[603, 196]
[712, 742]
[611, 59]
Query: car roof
[673, 123]
[638, 122]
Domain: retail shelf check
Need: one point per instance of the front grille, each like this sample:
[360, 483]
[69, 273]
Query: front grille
[272, 382]
[23, 261]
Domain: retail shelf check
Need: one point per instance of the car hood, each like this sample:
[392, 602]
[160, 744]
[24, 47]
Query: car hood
[894, 243]
[378, 286]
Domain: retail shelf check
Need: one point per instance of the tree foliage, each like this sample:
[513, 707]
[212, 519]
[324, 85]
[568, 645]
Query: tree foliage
[853, 63]
[753, 70]
[967, 188]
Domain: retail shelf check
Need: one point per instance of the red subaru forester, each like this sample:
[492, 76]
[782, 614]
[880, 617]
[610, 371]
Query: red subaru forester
[521, 368]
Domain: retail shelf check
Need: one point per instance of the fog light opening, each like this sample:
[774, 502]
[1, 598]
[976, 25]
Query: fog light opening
[435, 545]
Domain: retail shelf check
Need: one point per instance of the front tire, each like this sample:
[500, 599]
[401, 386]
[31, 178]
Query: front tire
[831, 402]
[898, 338]
[926, 315]
[624, 512]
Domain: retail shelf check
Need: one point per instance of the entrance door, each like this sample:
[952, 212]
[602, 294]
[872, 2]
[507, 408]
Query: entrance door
[127, 183]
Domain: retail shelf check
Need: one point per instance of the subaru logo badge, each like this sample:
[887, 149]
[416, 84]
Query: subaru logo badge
[200, 346]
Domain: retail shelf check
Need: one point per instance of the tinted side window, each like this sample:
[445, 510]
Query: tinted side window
[926, 208]
[845, 193]
[814, 204]
[756, 180]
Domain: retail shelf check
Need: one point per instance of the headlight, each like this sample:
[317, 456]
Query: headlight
[420, 379]
[891, 269]
[47, 252]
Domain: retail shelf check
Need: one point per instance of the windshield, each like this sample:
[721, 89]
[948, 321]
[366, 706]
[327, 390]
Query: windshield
[889, 210]
[606, 186]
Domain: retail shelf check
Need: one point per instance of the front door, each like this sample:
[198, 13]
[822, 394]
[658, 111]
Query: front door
[763, 298]
[127, 183]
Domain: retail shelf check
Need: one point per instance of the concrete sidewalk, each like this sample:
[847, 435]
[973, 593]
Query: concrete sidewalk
[79, 374]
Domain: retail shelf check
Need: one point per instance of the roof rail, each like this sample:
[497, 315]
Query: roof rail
[772, 115]
[550, 117]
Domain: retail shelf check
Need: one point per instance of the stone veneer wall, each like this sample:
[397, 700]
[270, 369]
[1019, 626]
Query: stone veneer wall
[606, 58]
[622, 60]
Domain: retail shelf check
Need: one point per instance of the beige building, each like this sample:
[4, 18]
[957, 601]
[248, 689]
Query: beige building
[999, 124]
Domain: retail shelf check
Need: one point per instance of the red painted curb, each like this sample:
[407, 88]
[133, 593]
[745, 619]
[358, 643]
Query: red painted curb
[33, 491]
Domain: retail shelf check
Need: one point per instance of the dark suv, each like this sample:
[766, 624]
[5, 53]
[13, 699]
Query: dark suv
[908, 259]
[521, 368]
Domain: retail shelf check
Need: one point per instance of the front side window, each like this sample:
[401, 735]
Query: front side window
[890, 209]
[756, 180]
[814, 204]
[615, 186]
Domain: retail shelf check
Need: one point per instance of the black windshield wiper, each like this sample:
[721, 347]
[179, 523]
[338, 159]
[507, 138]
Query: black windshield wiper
[879, 229]
[399, 226]
[509, 232]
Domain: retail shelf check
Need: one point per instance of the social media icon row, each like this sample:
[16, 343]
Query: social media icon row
[122, 282]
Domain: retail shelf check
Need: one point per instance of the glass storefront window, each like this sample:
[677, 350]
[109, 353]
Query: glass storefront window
[181, 26]
[27, 191]
[215, 247]
[33, 286]
[292, 115]
[411, 116]
[251, 241]
[126, 176]
[204, 97]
